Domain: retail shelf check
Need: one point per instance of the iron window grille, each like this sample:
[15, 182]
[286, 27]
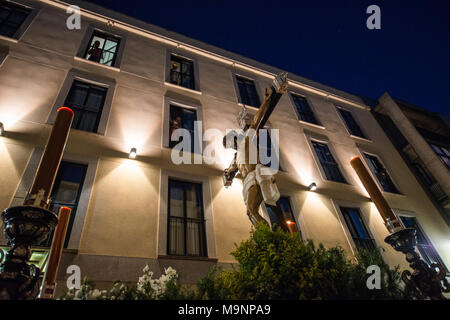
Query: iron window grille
[425, 248]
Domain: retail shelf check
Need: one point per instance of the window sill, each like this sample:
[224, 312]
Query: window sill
[182, 88]
[170, 257]
[9, 39]
[392, 193]
[312, 124]
[361, 138]
[96, 64]
[248, 106]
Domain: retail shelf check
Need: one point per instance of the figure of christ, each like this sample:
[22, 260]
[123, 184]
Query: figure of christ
[258, 181]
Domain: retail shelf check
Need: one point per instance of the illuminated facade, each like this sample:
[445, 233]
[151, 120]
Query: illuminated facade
[130, 84]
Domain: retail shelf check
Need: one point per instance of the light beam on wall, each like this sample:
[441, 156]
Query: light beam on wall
[312, 186]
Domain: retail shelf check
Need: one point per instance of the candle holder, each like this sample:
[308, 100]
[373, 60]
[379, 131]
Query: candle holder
[426, 281]
[23, 226]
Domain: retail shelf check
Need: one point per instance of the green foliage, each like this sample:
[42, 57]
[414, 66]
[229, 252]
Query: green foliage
[278, 265]
[271, 265]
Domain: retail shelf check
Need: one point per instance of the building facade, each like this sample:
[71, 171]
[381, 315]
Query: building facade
[423, 140]
[130, 84]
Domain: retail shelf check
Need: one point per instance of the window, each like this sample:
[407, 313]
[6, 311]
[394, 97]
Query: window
[181, 72]
[286, 209]
[182, 118]
[11, 18]
[247, 92]
[426, 249]
[303, 109]
[351, 123]
[66, 193]
[186, 225]
[102, 48]
[357, 228]
[443, 153]
[86, 100]
[380, 172]
[326, 159]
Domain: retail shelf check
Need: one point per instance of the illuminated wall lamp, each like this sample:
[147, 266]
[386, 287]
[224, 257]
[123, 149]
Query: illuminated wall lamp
[312, 187]
[132, 153]
[2, 129]
[289, 222]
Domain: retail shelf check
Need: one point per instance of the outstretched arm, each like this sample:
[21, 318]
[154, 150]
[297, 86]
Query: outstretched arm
[230, 172]
[271, 98]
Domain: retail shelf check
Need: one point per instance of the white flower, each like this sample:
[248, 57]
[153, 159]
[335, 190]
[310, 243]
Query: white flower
[96, 293]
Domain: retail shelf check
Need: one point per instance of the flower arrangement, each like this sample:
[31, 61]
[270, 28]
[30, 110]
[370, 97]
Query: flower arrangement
[146, 288]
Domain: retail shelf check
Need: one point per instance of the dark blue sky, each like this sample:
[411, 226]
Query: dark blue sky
[324, 40]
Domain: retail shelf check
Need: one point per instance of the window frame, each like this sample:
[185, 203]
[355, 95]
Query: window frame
[73, 215]
[364, 214]
[365, 136]
[34, 10]
[91, 87]
[374, 177]
[86, 190]
[354, 238]
[440, 147]
[88, 35]
[406, 214]
[76, 75]
[310, 105]
[319, 164]
[168, 101]
[238, 92]
[105, 36]
[4, 51]
[294, 208]
[185, 219]
[163, 214]
[195, 66]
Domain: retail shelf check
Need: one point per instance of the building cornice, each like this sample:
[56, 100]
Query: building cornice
[182, 45]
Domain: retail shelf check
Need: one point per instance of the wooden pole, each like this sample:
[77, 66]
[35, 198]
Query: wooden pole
[56, 249]
[390, 219]
[45, 177]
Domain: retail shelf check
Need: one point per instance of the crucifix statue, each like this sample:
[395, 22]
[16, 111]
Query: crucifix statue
[258, 181]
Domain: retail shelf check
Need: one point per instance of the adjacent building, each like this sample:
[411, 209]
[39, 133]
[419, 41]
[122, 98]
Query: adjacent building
[130, 85]
[423, 139]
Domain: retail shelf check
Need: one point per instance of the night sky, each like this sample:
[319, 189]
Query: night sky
[324, 40]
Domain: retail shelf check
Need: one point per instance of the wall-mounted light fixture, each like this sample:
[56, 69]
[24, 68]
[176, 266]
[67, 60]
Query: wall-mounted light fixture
[2, 129]
[133, 153]
[289, 222]
[312, 186]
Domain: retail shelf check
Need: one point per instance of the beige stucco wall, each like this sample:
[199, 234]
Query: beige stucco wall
[123, 210]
